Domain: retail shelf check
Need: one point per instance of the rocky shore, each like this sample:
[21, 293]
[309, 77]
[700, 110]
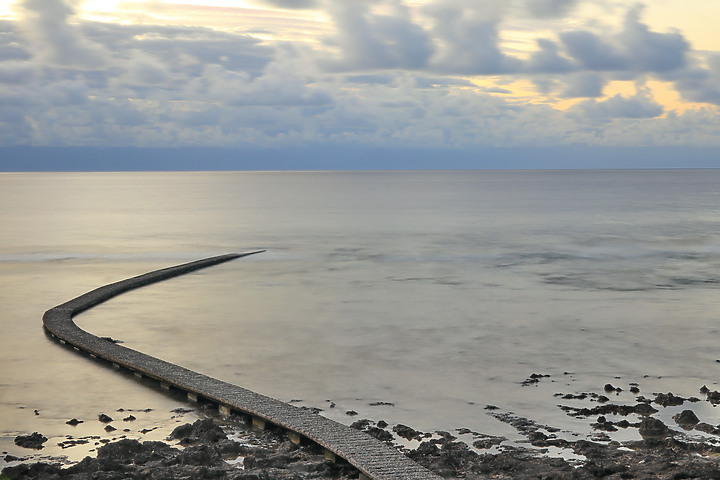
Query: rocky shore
[230, 449]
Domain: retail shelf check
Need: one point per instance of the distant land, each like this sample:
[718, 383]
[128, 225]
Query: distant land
[53, 159]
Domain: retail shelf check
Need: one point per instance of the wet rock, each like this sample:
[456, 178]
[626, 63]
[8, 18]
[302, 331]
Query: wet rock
[380, 434]
[35, 441]
[487, 442]
[381, 404]
[33, 471]
[713, 397]
[104, 418]
[686, 418]
[668, 400]
[533, 379]
[110, 428]
[201, 431]
[382, 424]
[406, 432]
[351, 413]
[74, 422]
[653, 428]
[361, 424]
[129, 418]
[707, 428]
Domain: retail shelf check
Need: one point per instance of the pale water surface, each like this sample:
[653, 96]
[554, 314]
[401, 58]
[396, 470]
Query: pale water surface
[438, 292]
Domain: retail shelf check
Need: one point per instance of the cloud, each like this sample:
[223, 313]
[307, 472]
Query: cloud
[638, 106]
[592, 52]
[700, 84]
[550, 8]
[390, 75]
[467, 33]
[370, 40]
[14, 72]
[45, 22]
[651, 51]
[635, 49]
[584, 84]
[547, 59]
[292, 4]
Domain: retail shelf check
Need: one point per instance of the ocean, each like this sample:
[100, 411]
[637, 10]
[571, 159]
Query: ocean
[419, 298]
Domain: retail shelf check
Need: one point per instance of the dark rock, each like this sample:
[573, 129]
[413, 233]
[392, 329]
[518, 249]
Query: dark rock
[104, 418]
[707, 428]
[181, 410]
[382, 435]
[361, 424]
[686, 418]
[713, 397]
[406, 432]
[487, 442]
[644, 409]
[205, 431]
[668, 400]
[33, 471]
[351, 413]
[74, 422]
[200, 455]
[35, 441]
[129, 418]
[382, 424]
[653, 428]
[110, 428]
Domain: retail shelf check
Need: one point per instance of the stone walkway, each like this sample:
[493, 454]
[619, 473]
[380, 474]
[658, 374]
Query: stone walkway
[371, 457]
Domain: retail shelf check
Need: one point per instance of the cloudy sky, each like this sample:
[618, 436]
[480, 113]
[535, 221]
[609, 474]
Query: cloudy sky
[424, 74]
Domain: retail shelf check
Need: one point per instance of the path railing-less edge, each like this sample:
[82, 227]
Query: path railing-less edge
[372, 458]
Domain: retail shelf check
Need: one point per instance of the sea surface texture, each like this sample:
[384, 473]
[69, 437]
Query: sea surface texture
[413, 297]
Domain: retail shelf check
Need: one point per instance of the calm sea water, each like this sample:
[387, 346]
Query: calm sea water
[437, 292]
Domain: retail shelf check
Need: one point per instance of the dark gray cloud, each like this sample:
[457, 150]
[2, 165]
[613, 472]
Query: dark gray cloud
[592, 52]
[699, 84]
[378, 41]
[650, 51]
[547, 59]
[468, 35]
[636, 49]
[55, 38]
[550, 8]
[584, 85]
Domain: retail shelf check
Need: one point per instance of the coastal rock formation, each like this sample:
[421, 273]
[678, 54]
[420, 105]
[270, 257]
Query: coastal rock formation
[34, 440]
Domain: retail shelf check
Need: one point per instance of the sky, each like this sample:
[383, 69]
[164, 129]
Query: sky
[451, 77]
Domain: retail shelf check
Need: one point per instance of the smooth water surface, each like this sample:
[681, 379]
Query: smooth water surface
[438, 292]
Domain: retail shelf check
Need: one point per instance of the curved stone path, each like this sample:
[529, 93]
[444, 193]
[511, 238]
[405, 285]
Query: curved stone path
[372, 458]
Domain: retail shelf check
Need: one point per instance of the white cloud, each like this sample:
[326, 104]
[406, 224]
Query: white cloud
[639, 106]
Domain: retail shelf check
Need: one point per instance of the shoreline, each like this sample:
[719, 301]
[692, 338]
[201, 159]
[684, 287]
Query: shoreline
[230, 448]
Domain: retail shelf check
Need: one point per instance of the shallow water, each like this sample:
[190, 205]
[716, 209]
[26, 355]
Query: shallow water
[438, 292]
